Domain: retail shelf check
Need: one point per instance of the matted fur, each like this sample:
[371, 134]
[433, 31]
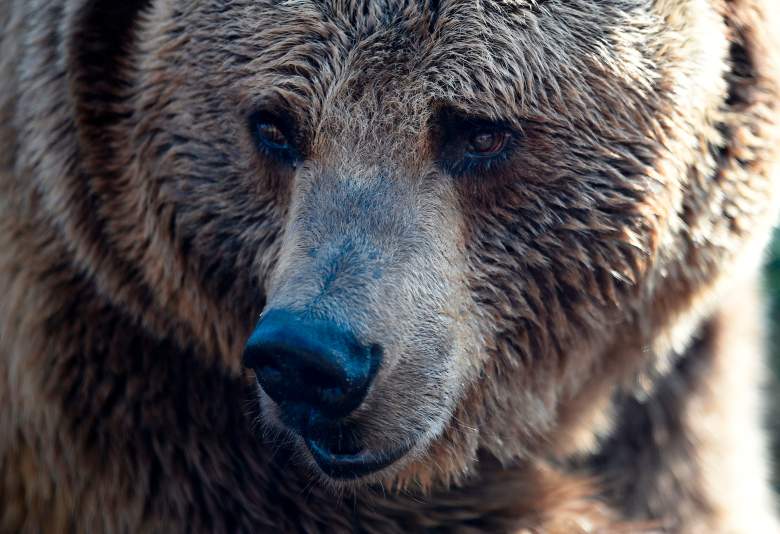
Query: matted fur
[573, 344]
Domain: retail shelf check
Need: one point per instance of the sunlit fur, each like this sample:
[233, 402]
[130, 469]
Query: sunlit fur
[573, 340]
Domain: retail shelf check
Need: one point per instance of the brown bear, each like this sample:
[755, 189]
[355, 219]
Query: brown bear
[385, 266]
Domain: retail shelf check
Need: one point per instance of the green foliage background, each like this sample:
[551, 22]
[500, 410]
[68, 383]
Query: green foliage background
[773, 290]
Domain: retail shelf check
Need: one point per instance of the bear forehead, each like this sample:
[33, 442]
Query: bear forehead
[490, 54]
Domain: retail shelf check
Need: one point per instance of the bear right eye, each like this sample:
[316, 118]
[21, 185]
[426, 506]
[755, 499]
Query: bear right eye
[273, 137]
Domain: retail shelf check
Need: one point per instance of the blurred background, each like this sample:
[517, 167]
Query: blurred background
[773, 289]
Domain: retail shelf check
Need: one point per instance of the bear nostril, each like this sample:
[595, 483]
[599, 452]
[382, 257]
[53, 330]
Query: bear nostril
[272, 374]
[313, 362]
[325, 375]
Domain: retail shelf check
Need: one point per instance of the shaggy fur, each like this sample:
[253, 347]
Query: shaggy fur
[572, 337]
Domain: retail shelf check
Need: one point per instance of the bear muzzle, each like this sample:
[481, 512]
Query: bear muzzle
[318, 373]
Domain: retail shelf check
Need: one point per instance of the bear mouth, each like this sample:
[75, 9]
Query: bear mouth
[338, 447]
[348, 463]
[341, 454]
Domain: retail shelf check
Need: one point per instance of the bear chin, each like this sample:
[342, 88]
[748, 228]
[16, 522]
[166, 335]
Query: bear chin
[343, 454]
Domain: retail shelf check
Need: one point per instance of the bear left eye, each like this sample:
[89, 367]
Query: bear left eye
[468, 145]
[487, 143]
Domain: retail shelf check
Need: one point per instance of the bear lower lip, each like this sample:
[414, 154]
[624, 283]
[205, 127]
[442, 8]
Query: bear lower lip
[351, 466]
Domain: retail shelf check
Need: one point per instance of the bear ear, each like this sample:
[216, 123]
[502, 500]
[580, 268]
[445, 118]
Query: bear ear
[100, 34]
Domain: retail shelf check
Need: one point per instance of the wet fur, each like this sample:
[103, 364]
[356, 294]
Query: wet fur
[611, 367]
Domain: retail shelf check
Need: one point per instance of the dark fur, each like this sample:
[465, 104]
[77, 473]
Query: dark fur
[565, 344]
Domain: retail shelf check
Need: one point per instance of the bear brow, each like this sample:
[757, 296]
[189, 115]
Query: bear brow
[376, 13]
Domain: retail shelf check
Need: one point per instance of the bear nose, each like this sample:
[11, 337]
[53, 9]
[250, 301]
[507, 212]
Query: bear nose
[314, 362]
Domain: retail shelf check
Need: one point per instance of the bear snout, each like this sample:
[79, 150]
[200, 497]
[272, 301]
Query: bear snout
[311, 367]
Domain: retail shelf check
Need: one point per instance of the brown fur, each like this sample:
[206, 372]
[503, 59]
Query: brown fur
[573, 340]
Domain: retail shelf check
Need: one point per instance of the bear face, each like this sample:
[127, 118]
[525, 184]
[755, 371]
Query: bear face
[482, 198]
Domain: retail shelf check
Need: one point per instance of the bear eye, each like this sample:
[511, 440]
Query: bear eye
[469, 145]
[274, 137]
[487, 143]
